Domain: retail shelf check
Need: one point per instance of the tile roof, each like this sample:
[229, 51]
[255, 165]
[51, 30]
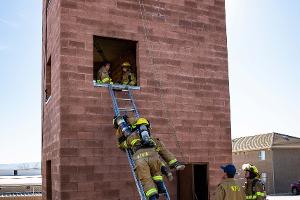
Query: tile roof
[263, 141]
[256, 142]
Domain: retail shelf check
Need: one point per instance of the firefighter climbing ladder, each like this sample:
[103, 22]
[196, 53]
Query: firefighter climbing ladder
[125, 90]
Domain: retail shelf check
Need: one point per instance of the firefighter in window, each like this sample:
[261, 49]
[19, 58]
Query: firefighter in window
[149, 167]
[128, 77]
[103, 73]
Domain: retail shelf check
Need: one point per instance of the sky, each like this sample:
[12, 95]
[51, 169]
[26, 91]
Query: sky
[263, 40]
[264, 72]
[20, 82]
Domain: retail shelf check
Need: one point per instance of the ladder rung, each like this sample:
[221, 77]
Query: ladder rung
[126, 109]
[124, 99]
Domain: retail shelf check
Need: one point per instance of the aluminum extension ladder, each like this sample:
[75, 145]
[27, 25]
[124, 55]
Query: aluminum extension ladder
[126, 91]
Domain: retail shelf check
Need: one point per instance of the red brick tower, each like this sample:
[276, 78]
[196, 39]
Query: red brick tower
[179, 51]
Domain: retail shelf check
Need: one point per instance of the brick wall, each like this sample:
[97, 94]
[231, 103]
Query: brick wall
[183, 73]
[51, 120]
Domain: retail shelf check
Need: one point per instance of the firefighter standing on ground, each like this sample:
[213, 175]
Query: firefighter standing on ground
[254, 188]
[128, 77]
[103, 73]
[147, 161]
[228, 189]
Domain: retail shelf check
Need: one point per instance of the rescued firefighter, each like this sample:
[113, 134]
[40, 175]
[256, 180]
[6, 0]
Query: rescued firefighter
[254, 188]
[145, 155]
[128, 77]
[168, 157]
[103, 73]
[229, 189]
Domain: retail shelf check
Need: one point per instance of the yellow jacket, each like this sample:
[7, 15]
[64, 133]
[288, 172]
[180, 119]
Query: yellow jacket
[128, 78]
[103, 76]
[228, 189]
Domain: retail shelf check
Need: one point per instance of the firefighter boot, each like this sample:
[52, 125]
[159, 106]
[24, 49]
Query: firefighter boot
[170, 176]
[153, 197]
[160, 187]
[177, 165]
[166, 171]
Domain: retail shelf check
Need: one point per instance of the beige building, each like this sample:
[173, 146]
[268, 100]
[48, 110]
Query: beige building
[276, 156]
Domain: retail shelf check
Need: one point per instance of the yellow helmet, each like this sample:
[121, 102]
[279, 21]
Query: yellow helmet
[251, 168]
[126, 64]
[140, 121]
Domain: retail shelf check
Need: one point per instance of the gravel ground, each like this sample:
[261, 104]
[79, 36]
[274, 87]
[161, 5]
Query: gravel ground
[283, 197]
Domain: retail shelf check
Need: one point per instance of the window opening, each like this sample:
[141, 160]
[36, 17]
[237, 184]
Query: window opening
[262, 155]
[115, 61]
[48, 80]
[264, 177]
[193, 182]
[48, 3]
[48, 180]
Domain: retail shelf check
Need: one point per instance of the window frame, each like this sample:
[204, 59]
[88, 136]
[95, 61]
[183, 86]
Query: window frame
[262, 155]
[264, 177]
[48, 81]
[131, 57]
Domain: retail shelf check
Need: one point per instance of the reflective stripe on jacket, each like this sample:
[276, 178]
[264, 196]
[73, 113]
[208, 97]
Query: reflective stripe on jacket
[254, 189]
[103, 76]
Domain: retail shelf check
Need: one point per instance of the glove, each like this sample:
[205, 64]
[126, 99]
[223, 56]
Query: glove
[116, 126]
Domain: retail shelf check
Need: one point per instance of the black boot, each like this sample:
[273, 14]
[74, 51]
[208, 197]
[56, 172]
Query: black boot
[153, 197]
[177, 165]
[160, 187]
[166, 171]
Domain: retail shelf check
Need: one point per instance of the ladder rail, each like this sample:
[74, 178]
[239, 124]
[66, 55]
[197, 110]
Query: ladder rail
[114, 100]
[137, 182]
[128, 152]
[137, 115]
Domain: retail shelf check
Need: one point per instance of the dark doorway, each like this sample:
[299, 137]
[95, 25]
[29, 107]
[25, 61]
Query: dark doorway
[193, 182]
[48, 180]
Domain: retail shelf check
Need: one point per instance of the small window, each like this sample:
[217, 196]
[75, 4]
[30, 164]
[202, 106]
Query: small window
[48, 3]
[264, 177]
[48, 80]
[121, 55]
[48, 180]
[262, 155]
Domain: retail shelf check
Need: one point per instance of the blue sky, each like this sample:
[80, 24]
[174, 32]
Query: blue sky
[264, 66]
[20, 83]
[263, 48]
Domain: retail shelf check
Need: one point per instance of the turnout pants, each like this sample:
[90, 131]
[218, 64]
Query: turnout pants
[166, 155]
[148, 167]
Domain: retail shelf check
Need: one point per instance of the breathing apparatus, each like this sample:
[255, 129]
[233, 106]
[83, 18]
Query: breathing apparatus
[121, 122]
[142, 127]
